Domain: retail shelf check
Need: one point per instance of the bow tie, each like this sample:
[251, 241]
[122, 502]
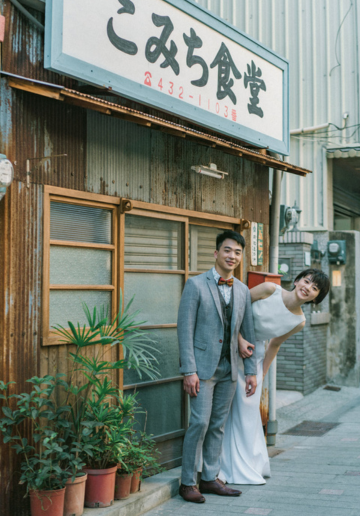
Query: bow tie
[228, 282]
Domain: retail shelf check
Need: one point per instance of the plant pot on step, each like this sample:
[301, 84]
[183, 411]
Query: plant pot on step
[47, 503]
[75, 496]
[122, 485]
[136, 481]
[100, 487]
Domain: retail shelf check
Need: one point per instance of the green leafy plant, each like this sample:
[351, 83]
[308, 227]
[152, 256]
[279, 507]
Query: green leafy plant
[51, 446]
[94, 421]
[100, 416]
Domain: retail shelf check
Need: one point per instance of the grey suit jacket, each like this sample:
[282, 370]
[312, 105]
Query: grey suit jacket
[201, 330]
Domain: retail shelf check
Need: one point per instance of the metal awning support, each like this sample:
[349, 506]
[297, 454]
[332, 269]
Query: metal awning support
[77, 98]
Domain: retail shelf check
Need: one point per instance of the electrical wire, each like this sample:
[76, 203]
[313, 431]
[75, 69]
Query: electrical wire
[337, 37]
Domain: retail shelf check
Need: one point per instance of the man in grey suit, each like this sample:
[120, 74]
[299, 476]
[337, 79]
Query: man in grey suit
[214, 307]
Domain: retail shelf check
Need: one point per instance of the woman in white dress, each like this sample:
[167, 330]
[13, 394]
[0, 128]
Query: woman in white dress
[277, 315]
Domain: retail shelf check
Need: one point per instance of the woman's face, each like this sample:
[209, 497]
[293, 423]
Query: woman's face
[306, 290]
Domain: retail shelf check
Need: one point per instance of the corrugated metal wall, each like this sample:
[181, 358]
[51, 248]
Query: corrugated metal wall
[20, 315]
[320, 40]
[126, 160]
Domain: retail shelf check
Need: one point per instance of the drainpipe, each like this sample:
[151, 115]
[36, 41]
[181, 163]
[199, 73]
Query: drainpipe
[272, 426]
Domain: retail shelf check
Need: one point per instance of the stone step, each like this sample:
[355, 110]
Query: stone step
[154, 491]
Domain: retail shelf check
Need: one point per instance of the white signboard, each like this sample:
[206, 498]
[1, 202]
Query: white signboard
[176, 56]
[254, 243]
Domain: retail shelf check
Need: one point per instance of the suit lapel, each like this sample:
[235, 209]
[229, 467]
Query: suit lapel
[214, 292]
[238, 302]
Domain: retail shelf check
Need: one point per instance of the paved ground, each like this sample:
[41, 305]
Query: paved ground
[312, 476]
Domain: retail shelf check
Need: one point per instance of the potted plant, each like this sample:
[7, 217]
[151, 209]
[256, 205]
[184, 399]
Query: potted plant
[100, 416]
[42, 459]
[105, 431]
[93, 419]
[142, 457]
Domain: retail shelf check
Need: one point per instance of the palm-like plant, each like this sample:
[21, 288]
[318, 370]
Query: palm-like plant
[100, 415]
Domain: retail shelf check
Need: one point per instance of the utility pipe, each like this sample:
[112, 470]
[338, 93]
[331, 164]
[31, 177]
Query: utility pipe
[274, 260]
[29, 16]
[309, 129]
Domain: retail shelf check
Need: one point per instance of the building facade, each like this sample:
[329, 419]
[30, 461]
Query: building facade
[104, 199]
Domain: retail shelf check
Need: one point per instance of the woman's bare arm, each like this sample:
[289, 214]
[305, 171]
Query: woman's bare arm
[262, 291]
[275, 344]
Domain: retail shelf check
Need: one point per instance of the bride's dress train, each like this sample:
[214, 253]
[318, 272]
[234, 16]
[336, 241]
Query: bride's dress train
[244, 458]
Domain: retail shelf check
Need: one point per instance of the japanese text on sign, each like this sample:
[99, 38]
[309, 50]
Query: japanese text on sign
[151, 49]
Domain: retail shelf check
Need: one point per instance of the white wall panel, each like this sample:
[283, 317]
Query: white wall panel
[321, 42]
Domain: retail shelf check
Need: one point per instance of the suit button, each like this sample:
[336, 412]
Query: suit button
[220, 341]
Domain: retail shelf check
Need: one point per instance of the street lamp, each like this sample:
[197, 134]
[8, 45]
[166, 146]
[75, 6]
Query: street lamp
[6, 174]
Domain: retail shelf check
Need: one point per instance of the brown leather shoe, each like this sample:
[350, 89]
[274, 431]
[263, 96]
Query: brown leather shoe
[217, 487]
[191, 494]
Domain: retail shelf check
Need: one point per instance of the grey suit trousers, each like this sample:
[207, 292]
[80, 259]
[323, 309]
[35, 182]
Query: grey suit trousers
[209, 412]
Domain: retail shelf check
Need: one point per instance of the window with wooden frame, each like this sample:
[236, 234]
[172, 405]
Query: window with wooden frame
[80, 257]
[93, 246]
[162, 247]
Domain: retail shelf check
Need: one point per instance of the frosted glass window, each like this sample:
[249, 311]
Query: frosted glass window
[72, 266]
[202, 244]
[66, 305]
[163, 406]
[152, 243]
[168, 357]
[157, 296]
[80, 223]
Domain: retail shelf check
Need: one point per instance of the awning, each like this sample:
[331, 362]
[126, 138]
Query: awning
[86, 101]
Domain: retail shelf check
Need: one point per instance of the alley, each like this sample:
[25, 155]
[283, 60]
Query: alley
[311, 475]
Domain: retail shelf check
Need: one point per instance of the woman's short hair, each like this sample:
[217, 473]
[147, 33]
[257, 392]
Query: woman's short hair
[320, 279]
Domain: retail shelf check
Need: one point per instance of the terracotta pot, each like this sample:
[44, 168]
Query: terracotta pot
[122, 485]
[100, 487]
[135, 481]
[75, 496]
[47, 503]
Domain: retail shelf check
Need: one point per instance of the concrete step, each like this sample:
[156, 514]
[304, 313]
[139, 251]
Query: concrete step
[154, 491]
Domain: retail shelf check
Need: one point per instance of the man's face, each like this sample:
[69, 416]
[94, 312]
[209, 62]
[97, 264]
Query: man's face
[228, 257]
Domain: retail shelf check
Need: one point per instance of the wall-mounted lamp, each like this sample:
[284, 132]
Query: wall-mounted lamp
[6, 174]
[211, 171]
[289, 218]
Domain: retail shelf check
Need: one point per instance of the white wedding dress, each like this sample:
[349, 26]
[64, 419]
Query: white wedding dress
[244, 458]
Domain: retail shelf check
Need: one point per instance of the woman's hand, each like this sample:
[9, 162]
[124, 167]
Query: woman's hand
[245, 348]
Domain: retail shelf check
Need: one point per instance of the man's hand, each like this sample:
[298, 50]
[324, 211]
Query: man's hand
[192, 384]
[245, 348]
[250, 385]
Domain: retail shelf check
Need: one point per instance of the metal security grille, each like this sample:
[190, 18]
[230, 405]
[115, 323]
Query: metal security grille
[311, 429]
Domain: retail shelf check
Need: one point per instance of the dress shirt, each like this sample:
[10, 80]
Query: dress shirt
[225, 290]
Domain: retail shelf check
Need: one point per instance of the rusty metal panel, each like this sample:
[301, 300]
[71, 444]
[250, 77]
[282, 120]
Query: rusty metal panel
[118, 157]
[131, 161]
[23, 47]
[20, 305]
[44, 127]
[146, 165]
[5, 117]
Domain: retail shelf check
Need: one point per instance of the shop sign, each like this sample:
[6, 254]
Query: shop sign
[260, 243]
[176, 56]
[254, 244]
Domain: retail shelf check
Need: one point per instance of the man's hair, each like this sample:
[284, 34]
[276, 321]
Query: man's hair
[320, 279]
[233, 235]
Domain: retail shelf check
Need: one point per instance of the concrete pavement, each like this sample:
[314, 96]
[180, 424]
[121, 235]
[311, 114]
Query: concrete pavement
[311, 475]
